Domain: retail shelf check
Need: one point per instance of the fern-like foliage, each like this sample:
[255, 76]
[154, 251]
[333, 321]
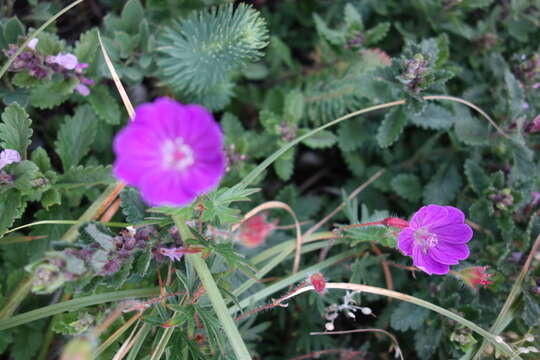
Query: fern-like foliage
[200, 52]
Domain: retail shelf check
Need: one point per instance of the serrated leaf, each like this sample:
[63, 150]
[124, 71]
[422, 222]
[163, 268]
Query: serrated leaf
[284, 165]
[350, 135]
[333, 36]
[377, 33]
[49, 44]
[353, 19]
[391, 127]
[85, 176]
[75, 136]
[294, 106]
[433, 117]
[52, 93]
[24, 173]
[132, 205]
[470, 130]
[270, 121]
[11, 208]
[50, 198]
[476, 176]
[408, 316]
[104, 104]
[25, 80]
[322, 139]
[231, 126]
[515, 92]
[87, 46]
[407, 186]
[427, 340]
[444, 186]
[16, 129]
[41, 159]
[355, 163]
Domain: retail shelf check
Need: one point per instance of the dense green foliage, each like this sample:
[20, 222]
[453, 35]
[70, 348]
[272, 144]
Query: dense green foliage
[271, 72]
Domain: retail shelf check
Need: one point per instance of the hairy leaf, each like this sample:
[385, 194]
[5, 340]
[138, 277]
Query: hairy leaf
[15, 129]
[391, 127]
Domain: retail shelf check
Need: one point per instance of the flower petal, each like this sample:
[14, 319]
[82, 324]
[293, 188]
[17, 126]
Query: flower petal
[454, 233]
[447, 253]
[424, 262]
[406, 241]
[165, 189]
[430, 215]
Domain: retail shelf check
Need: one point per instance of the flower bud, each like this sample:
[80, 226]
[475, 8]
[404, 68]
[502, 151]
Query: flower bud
[475, 275]
[395, 223]
[318, 282]
[78, 349]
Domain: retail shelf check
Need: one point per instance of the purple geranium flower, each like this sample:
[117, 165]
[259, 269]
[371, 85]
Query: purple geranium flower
[171, 152]
[436, 238]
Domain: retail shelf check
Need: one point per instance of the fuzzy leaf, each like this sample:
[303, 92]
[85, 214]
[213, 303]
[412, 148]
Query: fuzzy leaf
[13, 28]
[11, 208]
[444, 186]
[478, 179]
[408, 316]
[284, 165]
[353, 19]
[15, 129]
[294, 106]
[132, 15]
[470, 130]
[87, 46]
[105, 104]
[132, 205]
[41, 159]
[377, 33]
[333, 36]
[391, 127]
[75, 136]
[78, 176]
[407, 186]
[49, 44]
[322, 139]
[52, 93]
[433, 117]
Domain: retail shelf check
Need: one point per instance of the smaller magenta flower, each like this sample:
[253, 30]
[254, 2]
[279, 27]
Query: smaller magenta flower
[475, 276]
[9, 156]
[171, 152]
[67, 61]
[436, 238]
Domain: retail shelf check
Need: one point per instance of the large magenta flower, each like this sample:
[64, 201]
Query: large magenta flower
[436, 237]
[171, 152]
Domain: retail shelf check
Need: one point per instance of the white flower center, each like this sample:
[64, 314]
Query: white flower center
[425, 239]
[176, 154]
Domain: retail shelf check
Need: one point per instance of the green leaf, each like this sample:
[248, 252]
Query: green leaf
[41, 159]
[294, 106]
[75, 136]
[13, 28]
[444, 186]
[132, 205]
[270, 121]
[24, 173]
[470, 130]
[11, 208]
[104, 104]
[353, 19]
[49, 44]
[201, 50]
[531, 311]
[132, 15]
[333, 36]
[284, 165]
[322, 139]
[52, 93]
[87, 46]
[50, 198]
[25, 80]
[407, 186]
[391, 127]
[377, 33]
[515, 92]
[476, 176]
[15, 129]
[231, 126]
[433, 117]
[350, 135]
[407, 316]
[427, 340]
[78, 176]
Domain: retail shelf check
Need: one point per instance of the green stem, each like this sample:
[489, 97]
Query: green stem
[63, 222]
[214, 295]
[75, 304]
[18, 296]
[162, 345]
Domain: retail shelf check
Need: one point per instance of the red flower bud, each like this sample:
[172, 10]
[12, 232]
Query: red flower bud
[255, 230]
[395, 223]
[475, 275]
[318, 282]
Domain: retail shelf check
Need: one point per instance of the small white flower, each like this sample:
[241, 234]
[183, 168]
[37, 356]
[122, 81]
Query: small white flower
[9, 156]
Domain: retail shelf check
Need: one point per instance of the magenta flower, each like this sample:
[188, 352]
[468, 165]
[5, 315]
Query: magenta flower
[67, 61]
[437, 237]
[171, 152]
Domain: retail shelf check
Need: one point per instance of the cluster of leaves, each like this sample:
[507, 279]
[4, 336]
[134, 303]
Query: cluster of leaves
[271, 73]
